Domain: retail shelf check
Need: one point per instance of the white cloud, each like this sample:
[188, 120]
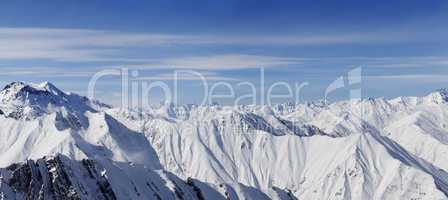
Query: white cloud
[228, 62]
[45, 72]
[184, 76]
[72, 44]
[410, 77]
[407, 62]
[218, 62]
[87, 45]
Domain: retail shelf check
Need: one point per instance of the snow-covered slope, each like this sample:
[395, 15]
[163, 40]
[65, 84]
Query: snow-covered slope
[19, 100]
[358, 149]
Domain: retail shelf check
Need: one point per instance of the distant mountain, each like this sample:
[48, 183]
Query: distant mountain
[57, 145]
[26, 101]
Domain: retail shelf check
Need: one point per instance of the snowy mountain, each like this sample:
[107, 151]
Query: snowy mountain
[57, 145]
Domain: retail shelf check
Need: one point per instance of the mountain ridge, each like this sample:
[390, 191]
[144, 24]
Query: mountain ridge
[356, 149]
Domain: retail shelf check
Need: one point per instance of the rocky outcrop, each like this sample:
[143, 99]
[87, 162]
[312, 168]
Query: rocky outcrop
[53, 178]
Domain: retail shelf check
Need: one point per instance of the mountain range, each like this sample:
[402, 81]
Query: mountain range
[58, 145]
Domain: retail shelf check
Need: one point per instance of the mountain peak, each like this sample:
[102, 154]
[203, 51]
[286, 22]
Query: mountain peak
[20, 91]
[439, 96]
[444, 93]
[18, 86]
[19, 99]
[14, 85]
[47, 86]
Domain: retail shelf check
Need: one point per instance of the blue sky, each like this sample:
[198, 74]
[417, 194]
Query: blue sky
[401, 45]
